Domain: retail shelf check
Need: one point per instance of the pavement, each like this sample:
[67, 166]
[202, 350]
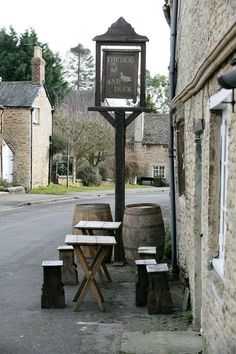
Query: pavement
[123, 328]
[15, 200]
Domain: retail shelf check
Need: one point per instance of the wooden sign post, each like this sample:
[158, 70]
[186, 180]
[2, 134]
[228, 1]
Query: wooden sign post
[119, 79]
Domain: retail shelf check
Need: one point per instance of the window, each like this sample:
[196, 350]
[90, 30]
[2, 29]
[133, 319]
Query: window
[219, 262]
[35, 115]
[158, 171]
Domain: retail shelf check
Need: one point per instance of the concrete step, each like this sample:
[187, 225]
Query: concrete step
[162, 342]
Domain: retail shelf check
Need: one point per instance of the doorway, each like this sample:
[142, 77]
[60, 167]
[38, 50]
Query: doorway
[7, 163]
[198, 233]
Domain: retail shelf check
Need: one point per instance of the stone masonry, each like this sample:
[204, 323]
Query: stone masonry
[27, 137]
[150, 151]
[203, 54]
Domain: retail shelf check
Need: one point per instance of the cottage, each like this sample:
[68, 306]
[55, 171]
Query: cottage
[147, 136]
[205, 135]
[26, 128]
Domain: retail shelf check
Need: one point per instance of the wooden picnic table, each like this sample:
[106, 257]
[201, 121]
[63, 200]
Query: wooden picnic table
[101, 244]
[90, 227]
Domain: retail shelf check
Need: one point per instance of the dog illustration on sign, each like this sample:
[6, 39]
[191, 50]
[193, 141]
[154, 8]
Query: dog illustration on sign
[125, 78]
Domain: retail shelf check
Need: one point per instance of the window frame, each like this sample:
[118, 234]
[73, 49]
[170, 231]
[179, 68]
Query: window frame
[218, 262]
[158, 168]
[36, 117]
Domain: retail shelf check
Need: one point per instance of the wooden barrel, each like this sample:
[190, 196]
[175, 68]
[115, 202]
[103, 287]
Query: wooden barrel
[92, 212]
[143, 226]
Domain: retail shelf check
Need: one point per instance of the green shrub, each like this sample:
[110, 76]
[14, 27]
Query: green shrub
[167, 249]
[89, 175]
[159, 181]
[5, 184]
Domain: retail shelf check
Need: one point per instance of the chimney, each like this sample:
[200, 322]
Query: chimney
[139, 128]
[38, 67]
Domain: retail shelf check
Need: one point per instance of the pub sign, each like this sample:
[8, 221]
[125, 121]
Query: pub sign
[120, 74]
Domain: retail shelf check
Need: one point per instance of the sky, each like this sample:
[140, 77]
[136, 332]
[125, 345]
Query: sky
[65, 24]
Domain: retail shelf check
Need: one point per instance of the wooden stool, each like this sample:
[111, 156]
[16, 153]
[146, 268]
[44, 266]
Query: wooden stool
[142, 283]
[159, 298]
[69, 274]
[147, 252]
[52, 290]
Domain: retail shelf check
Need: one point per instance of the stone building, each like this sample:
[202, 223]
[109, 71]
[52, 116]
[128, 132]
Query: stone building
[26, 128]
[205, 138]
[147, 136]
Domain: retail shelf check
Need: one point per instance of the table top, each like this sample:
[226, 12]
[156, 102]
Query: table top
[147, 249]
[82, 240]
[98, 225]
[145, 261]
[52, 264]
[157, 268]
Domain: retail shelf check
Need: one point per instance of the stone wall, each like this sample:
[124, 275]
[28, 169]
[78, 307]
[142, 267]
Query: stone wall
[213, 297]
[149, 156]
[205, 23]
[16, 133]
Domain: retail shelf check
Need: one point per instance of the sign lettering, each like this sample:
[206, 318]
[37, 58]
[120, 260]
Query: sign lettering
[120, 74]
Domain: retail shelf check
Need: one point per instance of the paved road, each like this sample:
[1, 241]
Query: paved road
[148, 195]
[31, 234]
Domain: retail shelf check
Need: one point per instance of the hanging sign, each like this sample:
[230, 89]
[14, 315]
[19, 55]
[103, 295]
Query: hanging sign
[120, 74]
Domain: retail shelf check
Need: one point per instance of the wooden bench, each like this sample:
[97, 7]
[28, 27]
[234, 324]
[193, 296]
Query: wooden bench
[141, 285]
[158, 298]
[69, 274]
[147, 252]
[52, 289]
[148, 179]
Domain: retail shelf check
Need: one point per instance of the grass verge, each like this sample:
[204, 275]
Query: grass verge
[58, 189]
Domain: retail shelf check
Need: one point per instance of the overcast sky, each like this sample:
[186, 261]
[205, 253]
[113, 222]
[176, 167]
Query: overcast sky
[64, 24]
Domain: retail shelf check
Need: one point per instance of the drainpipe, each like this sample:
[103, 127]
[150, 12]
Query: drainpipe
[50, 160]
[31, 148]
[172, 77]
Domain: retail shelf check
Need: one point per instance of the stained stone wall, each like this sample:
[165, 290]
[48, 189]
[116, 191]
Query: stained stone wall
[17, 134]
[149, 156]
[201, 26]
[213, 296]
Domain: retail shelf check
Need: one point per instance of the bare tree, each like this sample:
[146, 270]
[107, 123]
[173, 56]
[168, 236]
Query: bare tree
[90, 137]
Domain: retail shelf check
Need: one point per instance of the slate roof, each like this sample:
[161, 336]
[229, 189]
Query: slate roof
[156, 129]
[18, 93]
